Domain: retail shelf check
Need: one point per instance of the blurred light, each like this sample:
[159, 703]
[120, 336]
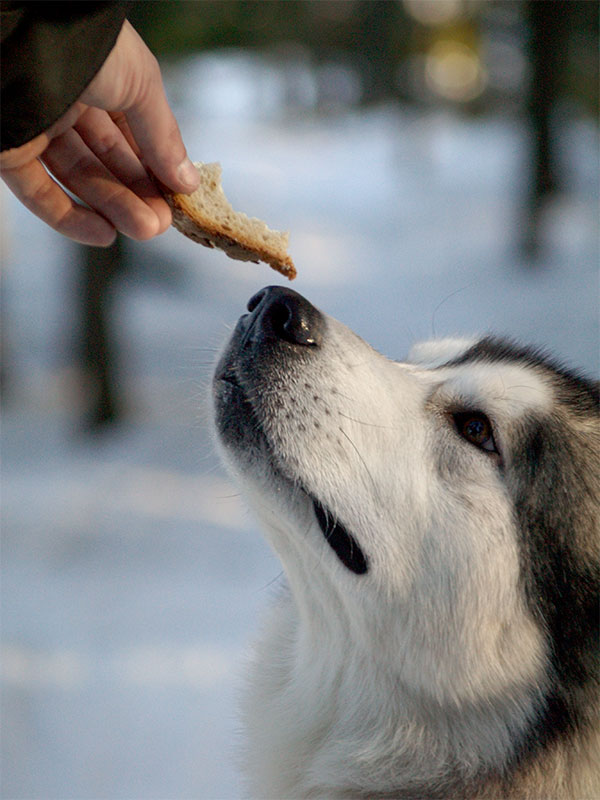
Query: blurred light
[169, 494]
[454, 71]
[434, 12]
[57, 669]
[168, 666]
[200, 667]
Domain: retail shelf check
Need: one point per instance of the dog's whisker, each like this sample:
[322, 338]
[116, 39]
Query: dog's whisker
[362, 460]
[337, 393]
[444, 301]
[367, 424]
[270, 583]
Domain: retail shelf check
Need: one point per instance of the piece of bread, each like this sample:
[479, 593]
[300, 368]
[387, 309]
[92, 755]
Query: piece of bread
[207, 217]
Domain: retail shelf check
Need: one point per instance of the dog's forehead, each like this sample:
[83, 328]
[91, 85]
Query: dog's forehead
[512, 388]
[435, 353]
[462, 373]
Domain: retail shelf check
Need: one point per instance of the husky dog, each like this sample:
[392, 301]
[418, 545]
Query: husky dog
[437, 524]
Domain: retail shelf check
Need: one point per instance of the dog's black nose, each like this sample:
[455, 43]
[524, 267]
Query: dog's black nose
[282, 313]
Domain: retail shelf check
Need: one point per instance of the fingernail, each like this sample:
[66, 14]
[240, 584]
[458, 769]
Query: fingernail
[188, 174]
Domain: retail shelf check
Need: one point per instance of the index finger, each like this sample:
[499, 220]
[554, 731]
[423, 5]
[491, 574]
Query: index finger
[158, 138]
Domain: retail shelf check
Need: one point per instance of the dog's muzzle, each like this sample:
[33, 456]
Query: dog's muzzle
[280, 321]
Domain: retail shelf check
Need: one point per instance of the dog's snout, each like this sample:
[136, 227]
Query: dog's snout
[282, 313]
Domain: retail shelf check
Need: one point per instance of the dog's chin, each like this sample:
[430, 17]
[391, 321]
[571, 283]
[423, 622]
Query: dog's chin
[239, 426]
[242, 433]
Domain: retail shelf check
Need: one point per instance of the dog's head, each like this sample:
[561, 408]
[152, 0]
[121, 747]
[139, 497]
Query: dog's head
[435, 511]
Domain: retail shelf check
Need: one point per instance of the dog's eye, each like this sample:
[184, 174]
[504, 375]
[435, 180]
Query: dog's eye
[476, 428]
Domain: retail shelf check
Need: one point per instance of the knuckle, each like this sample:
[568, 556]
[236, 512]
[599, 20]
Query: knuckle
[106, 144]
[40, 193]
[130, 214]
[153, 67]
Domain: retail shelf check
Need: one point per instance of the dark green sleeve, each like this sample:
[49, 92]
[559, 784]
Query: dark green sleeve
[50, 53]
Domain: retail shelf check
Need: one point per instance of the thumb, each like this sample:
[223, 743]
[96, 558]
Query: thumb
[130, 82]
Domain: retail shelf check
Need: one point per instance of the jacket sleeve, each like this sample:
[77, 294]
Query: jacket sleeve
[50, 53]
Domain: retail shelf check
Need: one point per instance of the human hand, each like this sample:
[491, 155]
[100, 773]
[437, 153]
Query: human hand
[102, 150]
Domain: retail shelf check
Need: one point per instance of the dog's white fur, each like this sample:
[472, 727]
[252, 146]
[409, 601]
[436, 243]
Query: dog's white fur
[422, 673]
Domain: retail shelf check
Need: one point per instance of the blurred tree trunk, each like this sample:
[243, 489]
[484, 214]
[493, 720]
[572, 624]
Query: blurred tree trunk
[548, 36]
[98, 352]
[377, 23]
[548, 25]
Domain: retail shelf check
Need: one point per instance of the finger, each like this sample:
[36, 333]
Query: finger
[152, 122]
[120, 120]
[32, 185]
[107, 141]
[159, 140]
[72, 162]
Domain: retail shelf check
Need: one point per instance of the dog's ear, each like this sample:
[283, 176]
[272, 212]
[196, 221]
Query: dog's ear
[437, 352]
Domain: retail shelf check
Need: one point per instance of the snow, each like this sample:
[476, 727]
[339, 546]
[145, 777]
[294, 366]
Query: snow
[133, 577]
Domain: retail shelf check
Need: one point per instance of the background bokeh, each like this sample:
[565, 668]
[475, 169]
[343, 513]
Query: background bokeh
[436, 164]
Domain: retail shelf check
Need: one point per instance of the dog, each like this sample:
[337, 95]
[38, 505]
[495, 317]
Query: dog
[437, 521]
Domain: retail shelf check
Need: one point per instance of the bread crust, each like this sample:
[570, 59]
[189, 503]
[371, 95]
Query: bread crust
[211, 233]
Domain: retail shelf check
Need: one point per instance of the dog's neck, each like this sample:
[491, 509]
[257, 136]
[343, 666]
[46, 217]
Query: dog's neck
[334, 710]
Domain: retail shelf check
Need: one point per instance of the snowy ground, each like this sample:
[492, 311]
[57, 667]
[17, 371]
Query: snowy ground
[132, 575]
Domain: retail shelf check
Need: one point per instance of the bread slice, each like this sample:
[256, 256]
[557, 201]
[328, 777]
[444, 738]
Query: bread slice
[207, 217]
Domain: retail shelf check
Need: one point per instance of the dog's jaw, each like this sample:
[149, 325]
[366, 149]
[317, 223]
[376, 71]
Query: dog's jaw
[238, 423]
